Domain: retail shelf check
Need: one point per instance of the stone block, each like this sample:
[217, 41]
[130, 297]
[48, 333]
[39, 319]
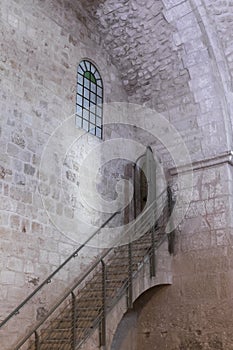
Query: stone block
[15, 264]
[54, 259]
[197, 288]
[179, 10]
[37, 228]
[172, 3]
[195, 241]
[196, 57]
[29, 267]
[7, 277]
[15, 221]
[187, 21]
[18, 140]
[29, 170]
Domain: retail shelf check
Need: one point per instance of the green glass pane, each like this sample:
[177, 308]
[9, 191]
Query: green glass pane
[90, 76]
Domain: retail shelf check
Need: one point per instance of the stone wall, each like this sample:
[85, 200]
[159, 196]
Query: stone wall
[221, 14]
[42, 44]
[170, 59]
[171, 55]
[194, 313]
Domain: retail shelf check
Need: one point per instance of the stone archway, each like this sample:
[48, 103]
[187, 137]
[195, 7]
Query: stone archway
[125, 337]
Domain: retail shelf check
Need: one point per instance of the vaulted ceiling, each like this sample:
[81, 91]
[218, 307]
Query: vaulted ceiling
[140, 42]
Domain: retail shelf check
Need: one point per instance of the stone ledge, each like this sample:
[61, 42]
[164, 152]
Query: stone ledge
[224, 158]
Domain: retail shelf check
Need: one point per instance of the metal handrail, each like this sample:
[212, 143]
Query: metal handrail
[89, 271]
[49, 278]
[69, 291]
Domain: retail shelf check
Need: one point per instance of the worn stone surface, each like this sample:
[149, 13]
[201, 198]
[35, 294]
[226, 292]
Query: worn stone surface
[174, 56]
[169, 57]
[41, 47]
[193, 313]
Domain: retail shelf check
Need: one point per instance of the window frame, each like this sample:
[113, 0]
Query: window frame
[89, 98]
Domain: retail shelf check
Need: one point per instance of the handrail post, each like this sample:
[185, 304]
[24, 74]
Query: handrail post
[37, 341]
[134, 191]
[171, 235]
[103, 318]
[74, 320]
[153, 255]
[130, 278]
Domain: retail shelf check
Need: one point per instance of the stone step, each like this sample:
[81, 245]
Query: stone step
[55, 345]
[97, 293]
[64, 323]
[84, 302]
[120, 265]
[109, 282]
[99, 288]
[57, 334]
[91, 308]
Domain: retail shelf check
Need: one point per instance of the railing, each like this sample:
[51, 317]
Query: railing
[102, 274]
[100, 284]
[49, 278]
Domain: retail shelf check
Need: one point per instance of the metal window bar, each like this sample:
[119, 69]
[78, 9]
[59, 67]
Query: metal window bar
[89, 99]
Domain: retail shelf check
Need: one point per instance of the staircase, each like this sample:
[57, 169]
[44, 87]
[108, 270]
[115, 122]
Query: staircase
[84, 307]
[85, 312]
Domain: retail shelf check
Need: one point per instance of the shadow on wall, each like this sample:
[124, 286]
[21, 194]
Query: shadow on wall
[125, 337]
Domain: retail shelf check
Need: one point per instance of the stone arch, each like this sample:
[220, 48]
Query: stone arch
[141, 284]
[125, 337]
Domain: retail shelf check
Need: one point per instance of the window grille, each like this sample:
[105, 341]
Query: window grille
[89, 103]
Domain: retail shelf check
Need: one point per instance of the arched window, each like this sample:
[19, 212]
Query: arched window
[89, 103]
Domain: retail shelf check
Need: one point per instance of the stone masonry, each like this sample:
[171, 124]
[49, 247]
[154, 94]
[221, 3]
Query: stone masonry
[174, 56]
[41, 46]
